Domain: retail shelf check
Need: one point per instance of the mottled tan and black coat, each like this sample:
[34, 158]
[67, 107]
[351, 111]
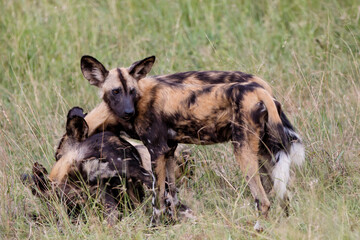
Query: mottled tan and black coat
[197, 108]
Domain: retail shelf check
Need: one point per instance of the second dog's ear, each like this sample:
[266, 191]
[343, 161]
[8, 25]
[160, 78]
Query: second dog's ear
[77, 128]
[93, 70]
[141, 68]
[76, 111]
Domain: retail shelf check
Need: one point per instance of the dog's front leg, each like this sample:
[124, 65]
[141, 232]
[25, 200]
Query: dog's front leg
[176, 208]
[158, 164]
[171, 196]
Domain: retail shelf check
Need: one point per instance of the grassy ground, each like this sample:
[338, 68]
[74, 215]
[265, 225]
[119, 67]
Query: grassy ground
[308, 50]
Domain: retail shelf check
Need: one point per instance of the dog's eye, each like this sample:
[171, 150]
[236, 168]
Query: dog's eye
[132, 91]
[116, 91]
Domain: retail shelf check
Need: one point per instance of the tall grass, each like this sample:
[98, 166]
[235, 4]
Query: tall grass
[308, 51]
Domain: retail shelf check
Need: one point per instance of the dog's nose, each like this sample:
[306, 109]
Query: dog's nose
[129, 112]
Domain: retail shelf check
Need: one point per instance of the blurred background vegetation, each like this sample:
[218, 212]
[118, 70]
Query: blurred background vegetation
[307, 50]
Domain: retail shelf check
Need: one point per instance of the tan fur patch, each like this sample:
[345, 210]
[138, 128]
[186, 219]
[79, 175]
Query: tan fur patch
[161, 174]
[264, 96]
[63, 166]
[113, 80]
[262, 83]
[67, 163]
[100, 117]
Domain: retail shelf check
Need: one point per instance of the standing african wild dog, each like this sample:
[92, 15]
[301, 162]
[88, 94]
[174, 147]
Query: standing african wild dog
[102, 162]
[184, 108]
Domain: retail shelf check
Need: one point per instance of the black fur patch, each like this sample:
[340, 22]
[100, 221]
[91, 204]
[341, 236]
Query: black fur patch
[76, 111]
[259, 114]
[192, 99]
[194, 95]
[206, 90]
[77, 128]
[122, 80]
[175, 78]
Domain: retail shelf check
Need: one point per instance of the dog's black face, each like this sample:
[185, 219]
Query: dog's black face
[121, 101]
[119, 85]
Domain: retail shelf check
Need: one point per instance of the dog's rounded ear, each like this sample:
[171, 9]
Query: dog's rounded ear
[141, 68]
[77, 128]
[93, 70]
[76, 111]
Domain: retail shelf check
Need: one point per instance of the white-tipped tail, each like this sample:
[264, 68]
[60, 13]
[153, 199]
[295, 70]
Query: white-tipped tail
[281, 174]
[297, 150]
[297, 153]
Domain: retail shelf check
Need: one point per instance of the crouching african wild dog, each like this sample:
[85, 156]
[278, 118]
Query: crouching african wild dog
[103, 162]
[199, 108]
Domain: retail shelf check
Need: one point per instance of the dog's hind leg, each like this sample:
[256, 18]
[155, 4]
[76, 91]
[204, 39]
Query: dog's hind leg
[268, 178]
[171, 196]
[265, 176]
[246, 156]
[249, 166]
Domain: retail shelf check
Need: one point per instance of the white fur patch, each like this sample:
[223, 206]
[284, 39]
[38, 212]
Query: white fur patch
[176, 200]
[258, 226]
[155, 218]
[97, 74]
[297, 150]
[281, 174]
[96, 168]
[153, 191]
[188, 214]
[297, 154]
